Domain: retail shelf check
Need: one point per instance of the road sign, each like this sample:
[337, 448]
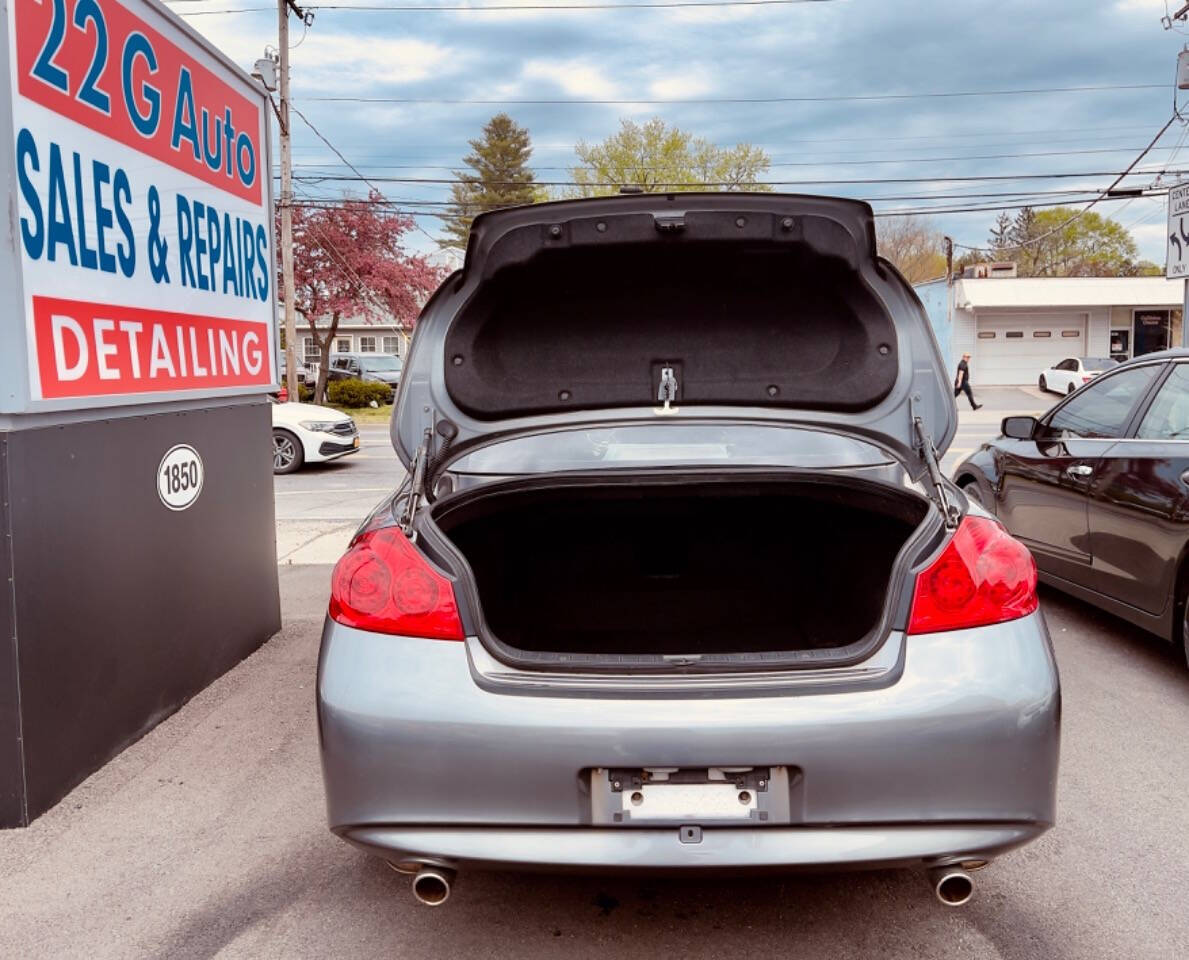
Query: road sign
[1176, 263]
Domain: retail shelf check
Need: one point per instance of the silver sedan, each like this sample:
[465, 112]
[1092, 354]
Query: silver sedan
[675, 582]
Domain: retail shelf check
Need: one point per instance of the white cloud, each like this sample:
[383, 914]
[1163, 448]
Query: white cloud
[576, 78]
[691, 83]
[359, 62]
[337, 62]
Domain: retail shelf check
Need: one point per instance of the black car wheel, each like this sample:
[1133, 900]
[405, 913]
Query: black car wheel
[287, 454]
[1071, 389]
[972, 491]
[1043, 384]
[1184, 624]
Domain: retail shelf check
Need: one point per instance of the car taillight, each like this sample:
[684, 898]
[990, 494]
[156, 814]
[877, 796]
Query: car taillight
[1086, 379]
[983, 576]
[383, 583]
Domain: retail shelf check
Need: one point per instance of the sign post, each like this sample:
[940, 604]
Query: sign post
[1176, 264]
[137, 347]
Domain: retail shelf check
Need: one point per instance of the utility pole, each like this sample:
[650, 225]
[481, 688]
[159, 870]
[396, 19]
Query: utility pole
[287, 291]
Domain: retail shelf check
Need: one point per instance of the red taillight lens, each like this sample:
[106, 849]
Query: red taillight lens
[384, 584]
[1086, 379]
[983, 576]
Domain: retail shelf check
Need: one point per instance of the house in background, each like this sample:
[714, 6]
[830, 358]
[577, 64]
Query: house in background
[356, 335]
[1015, 327]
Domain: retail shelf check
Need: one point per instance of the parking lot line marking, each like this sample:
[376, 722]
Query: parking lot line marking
[308, 490]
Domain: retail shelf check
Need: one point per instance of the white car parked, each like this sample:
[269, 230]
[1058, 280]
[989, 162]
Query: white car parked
[307, 433]
[1071, 373]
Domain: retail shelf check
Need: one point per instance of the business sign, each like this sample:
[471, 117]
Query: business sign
[143, 219]
[1176, 263]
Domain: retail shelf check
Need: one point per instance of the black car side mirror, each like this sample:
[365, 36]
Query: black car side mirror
[1019, 428]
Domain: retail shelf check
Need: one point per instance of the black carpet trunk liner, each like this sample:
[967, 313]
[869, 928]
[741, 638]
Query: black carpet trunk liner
[683, 570]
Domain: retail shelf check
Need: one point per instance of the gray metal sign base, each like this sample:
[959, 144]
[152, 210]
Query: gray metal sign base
[114, 608]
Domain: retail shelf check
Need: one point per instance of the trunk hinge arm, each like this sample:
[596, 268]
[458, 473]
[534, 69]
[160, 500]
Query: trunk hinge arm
[416, 487]
[928, 452]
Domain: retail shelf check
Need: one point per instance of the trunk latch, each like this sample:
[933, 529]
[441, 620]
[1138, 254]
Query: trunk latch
[669, 224]
[667, 392]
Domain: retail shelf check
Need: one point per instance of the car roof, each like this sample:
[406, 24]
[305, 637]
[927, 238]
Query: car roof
[1175, 353]
[364, 356]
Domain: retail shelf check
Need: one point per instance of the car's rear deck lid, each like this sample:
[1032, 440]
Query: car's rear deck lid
[722, 306]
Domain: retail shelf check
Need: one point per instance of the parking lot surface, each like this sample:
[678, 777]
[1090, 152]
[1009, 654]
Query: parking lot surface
[207, 837]
[319, 507]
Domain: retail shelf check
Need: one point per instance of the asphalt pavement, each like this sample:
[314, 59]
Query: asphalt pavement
[319, 507]
[207, 837]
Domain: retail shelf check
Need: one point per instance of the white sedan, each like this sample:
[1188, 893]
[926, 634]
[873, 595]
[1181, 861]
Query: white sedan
[306, 433]
[1072, 372]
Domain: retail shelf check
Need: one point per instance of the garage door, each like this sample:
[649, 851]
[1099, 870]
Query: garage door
[1014, 350]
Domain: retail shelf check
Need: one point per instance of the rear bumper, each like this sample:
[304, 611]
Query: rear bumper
[591, 848]
[956, 756]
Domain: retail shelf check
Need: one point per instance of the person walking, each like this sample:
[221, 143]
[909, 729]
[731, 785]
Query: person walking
[962, 381]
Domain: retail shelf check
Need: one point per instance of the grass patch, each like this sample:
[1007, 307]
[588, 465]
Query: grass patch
[381, 414]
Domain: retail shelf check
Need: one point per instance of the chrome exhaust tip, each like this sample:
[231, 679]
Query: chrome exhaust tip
[432, 885]
[953, 886]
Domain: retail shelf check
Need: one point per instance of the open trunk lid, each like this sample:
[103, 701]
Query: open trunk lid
[721, 308]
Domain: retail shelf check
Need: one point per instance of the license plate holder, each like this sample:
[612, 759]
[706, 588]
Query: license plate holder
[705, 795]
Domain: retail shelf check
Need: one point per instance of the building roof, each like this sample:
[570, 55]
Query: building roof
[1067, 292]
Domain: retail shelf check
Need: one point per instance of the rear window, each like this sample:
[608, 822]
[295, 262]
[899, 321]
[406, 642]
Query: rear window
[670, 445]
[383, 364]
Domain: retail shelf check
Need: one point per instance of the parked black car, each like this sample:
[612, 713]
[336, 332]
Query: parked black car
[1098, 488]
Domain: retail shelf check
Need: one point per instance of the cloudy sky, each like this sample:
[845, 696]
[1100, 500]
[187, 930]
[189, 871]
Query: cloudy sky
[857, 90]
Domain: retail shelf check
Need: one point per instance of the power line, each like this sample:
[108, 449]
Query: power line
[318, 133]
[330, 203]
[517, 7]
[1066, 195]
[705, 101]
[1086, 209]
[538, 145]
[702, 185]
[784, 163]
[1046, 135]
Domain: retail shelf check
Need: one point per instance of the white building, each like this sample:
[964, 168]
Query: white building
[354, 337]
[359, 336]
[1014, 328]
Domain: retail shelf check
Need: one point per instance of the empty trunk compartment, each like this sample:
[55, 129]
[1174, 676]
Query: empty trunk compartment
[683, 568]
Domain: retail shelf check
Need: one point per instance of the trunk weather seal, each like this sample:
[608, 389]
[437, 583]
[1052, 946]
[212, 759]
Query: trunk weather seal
[923, 541]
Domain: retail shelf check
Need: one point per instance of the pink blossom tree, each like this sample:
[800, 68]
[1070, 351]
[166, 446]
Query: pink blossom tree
[348, 261]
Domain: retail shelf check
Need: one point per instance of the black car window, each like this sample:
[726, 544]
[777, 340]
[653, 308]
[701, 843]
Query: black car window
[1101, 409]
[1067, 365]
[1168, 416]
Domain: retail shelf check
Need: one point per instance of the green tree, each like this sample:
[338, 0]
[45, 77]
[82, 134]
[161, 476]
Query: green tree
[498, 177]
[660, 158]
[1063, 242]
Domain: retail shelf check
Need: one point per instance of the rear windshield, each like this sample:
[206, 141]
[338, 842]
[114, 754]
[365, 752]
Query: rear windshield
[1098, 363]
[383, 363]
[663, 445]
